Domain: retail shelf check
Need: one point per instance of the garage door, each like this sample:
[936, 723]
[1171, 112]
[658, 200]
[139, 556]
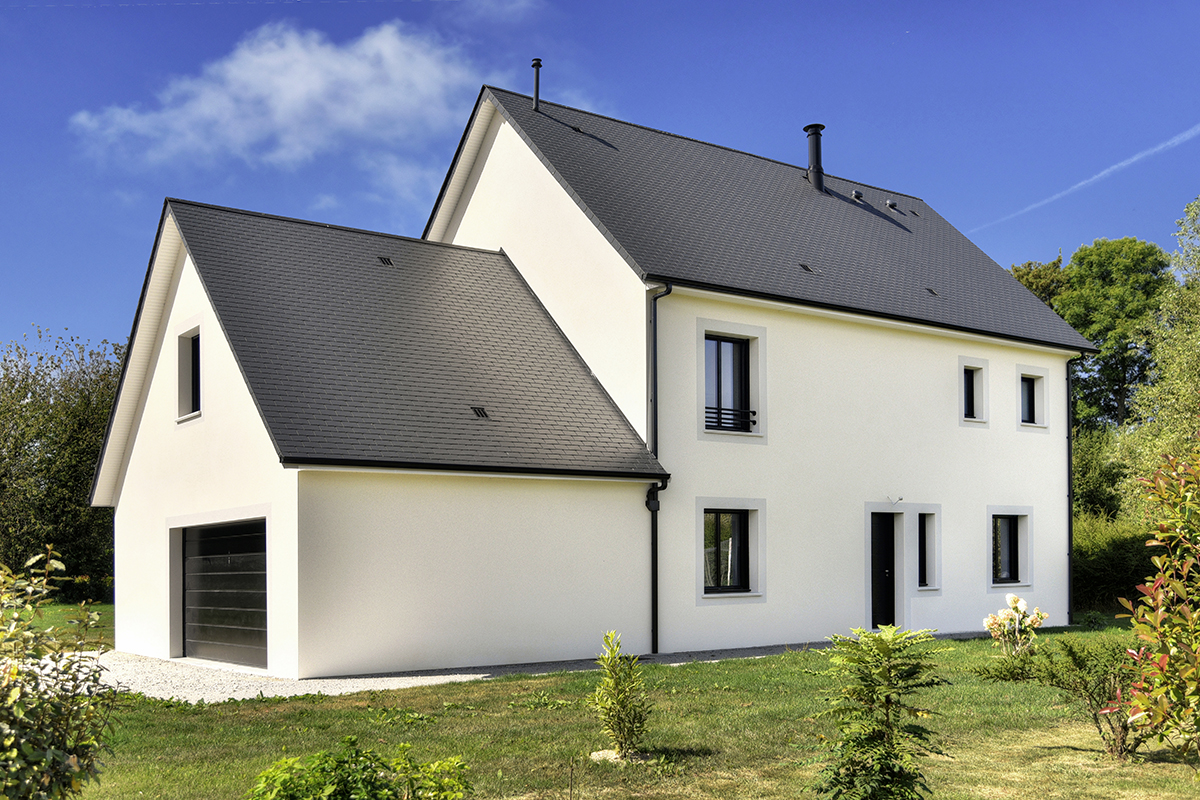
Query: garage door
[225, 593]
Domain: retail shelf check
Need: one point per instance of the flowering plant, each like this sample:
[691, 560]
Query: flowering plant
[1013, 627]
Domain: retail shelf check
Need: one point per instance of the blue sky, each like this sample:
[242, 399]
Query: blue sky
[349, 113]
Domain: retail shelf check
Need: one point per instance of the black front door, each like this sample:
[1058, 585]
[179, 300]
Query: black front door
[883, 569]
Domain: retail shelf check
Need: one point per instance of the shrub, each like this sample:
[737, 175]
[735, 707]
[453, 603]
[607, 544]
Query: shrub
[1109, 559]
[620, 700]
[875, 756]
[357, 774]
[54, 705]
[1093, 670]
[1165, 698]
[1013, 628]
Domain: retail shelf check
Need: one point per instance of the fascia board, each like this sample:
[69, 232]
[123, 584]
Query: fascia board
[166, 258]
[460, 168]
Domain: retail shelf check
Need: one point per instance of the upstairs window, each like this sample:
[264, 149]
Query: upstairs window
[726, 551]
[972, 391]
[727, 384]
[969, 392]
[189, 374]
[1029, 404]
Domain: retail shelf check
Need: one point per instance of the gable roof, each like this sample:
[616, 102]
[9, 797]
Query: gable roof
[684, 211]
[354, 361]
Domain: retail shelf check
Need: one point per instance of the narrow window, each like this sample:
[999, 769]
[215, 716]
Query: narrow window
[1028, 399]
[727, 384]
[726, 551]
[925, 549]
[189, 374]
[195, 373]
[1005, 546]
[968, 393]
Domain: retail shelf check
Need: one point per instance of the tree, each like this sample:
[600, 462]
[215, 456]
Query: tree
[1186, 259]
[1113, 288]
[55, 396]
[1047, 281]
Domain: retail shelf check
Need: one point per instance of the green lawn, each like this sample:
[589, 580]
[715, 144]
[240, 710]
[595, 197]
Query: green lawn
[739, 728]
[57, 614]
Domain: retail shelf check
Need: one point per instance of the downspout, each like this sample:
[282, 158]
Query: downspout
[1070, 495]
[652, 492]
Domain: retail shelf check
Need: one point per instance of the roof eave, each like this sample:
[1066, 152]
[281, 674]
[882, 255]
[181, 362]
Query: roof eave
[424, 466]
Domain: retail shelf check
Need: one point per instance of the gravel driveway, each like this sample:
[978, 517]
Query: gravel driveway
[192, 680]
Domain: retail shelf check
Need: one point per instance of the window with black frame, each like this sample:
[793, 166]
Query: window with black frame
[727, 384]
[1028, 399]
[1005, 546]
[726, 551]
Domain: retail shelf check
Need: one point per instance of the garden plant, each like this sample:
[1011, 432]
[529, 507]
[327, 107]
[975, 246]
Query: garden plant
[1014, 628]
[55, 706]
[876, 754]
[620, 700]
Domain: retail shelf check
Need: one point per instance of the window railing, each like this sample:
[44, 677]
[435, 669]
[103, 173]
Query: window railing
[728, 419]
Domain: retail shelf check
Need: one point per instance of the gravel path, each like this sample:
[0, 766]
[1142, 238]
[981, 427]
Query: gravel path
[193, 680]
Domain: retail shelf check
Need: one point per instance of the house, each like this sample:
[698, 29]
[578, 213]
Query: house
[626, 380]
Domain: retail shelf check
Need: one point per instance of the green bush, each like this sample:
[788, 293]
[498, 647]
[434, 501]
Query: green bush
[357, 774]
[1093, 670]
[1109, 559]
[620, 700]
[54, 704]
[875, 758]
[1096, 472]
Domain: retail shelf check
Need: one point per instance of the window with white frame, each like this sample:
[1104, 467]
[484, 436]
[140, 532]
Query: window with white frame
[729, 547]
[926, 550]
[189, 374]
[1031, 395]
[731, 382]
[972, 391]
[1009, 531]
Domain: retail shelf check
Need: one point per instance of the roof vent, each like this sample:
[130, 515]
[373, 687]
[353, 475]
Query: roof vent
[932, 292]
[387, 262]
[856, 195]
[810, 270]
[480, 412]
[816, 175]
[537, 79]
[892, 205]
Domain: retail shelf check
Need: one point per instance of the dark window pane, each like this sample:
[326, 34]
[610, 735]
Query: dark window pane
[726, 553]
[196, 373]
[727, 384]
[969, 393]
[1028, 411]
[710, 372]
[1005, 568]
[922, 550]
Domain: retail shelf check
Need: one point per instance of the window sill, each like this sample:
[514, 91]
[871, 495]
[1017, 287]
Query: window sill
[1035, 425]
[747, 434]
[1016, 585]
[188, 417]
[974, 420]
[729, 595]
[929, 588]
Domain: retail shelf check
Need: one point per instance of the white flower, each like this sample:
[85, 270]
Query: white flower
[1012, 600]
[1021, 605]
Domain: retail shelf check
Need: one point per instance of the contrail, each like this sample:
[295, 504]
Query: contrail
[1175, 141]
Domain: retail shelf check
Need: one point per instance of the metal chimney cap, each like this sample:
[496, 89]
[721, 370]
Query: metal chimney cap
[537, 62]
[815, 127]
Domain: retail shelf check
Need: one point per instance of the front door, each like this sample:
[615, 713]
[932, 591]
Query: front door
[883, 569]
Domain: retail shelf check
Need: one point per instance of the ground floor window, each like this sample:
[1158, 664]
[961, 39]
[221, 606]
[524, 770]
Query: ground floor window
[1006, 549]
[726, 550]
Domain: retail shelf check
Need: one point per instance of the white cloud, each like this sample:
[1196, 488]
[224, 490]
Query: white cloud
[285, 95]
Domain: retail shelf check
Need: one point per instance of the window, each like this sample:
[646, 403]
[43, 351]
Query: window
[726, 551]
[189, 374]
[1006, 549]
[972, 392]
[1029, 402]
[727, 384]
[1031, 396]
[926, 549]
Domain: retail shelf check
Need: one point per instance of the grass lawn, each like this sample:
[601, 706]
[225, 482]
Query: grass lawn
[739, 728]
[57, 614]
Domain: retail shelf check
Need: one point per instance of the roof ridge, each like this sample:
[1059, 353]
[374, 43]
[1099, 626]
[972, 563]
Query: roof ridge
[726, 148]
[329, 225]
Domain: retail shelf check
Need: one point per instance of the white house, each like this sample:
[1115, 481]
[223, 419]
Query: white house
[629, 381]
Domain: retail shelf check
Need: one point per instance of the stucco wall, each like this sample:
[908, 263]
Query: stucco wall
[511, 201]
[417, 571]
[219, 466]
[853, 417]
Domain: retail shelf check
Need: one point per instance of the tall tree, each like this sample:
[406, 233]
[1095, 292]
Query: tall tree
[55, 395]
[1046, 280]
[1113, 286]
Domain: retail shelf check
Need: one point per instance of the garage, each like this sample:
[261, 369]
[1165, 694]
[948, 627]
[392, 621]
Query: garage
[225, 593]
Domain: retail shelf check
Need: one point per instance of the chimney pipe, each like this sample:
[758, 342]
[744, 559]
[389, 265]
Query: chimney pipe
[816, 175]
[537, 75]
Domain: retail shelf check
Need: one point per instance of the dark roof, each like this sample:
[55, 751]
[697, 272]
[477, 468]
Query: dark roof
[357, 362]
[698, 214]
